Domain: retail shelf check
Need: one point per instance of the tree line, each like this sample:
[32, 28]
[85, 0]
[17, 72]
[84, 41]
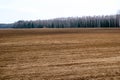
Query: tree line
[111, 21]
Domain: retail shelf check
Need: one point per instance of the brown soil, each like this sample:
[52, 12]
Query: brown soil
[60, 54]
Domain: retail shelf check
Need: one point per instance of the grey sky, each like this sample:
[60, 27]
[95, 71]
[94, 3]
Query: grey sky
[14, 10]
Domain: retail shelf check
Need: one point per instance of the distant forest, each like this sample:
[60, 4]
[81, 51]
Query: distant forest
[111, 21]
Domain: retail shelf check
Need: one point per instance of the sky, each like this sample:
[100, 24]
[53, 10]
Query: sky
[14, 10]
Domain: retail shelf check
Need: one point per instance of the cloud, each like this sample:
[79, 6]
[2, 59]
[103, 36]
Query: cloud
[45, 9]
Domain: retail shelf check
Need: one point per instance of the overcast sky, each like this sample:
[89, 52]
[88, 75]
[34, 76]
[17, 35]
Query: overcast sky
[14, 10]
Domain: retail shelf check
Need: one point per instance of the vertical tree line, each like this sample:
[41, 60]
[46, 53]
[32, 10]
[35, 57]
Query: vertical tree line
[111, 21]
